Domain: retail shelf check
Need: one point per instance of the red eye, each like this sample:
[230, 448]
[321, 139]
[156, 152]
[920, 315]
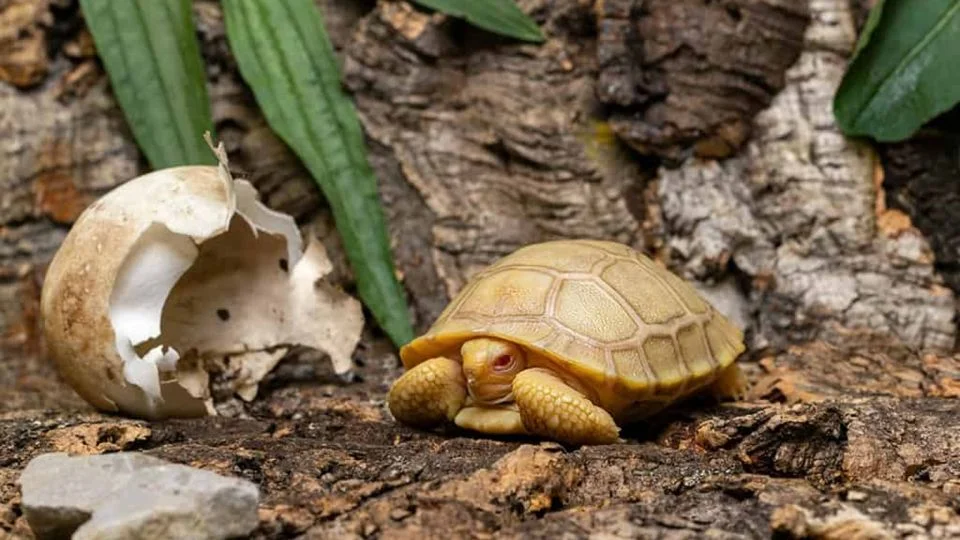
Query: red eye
[502, 362]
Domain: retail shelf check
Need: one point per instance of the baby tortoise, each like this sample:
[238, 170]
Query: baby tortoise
[566, 340]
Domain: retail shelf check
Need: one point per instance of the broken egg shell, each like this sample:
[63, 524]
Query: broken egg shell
[105, 290]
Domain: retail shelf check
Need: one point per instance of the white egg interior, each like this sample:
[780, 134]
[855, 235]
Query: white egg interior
[238, 294]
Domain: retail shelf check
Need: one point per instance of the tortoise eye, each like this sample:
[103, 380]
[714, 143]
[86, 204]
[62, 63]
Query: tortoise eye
[502, 362]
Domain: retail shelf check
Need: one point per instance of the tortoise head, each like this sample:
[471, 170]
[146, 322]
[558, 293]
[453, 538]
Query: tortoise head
[490, 365]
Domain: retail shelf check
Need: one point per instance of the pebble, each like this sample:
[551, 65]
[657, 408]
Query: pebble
[856, 496]
[133, 495]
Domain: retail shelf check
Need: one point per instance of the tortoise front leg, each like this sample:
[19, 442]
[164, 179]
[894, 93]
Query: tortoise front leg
[551, 408]
[428, 395]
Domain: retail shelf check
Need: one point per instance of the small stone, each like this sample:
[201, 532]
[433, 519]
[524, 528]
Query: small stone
[398, 514]
[856, 496]
[133, 495]
[952, 488]
[910, 529]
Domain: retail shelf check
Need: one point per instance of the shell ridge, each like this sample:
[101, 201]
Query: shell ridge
[686, 375]
[714, 360]
[605, 262]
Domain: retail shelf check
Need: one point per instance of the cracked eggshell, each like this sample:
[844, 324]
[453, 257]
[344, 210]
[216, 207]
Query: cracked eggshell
[107, 294]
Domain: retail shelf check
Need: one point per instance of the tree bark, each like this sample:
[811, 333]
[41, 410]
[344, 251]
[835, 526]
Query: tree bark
[801, 212]
[482, 145]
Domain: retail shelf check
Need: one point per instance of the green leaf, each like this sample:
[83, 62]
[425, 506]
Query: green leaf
[285, 55]
[149, 49]
[904, 71]
[500, 16]
[868, 27]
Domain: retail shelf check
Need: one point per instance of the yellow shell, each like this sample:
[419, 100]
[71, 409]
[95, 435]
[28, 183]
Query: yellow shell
[633, 333]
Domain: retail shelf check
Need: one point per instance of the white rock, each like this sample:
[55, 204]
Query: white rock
[132, 495]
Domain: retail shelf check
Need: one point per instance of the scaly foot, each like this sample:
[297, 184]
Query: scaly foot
[551, 408]
[428, 395]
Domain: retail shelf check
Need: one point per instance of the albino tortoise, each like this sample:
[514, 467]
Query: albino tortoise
[567, 340]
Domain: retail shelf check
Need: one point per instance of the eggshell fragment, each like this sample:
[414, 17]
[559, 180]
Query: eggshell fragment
[178, 270]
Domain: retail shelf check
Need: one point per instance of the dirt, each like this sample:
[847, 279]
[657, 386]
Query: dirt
[330, 462]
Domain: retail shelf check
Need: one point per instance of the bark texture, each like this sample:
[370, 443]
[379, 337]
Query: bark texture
[23, 43]
[482, 145]
[919, 182]
[688, 77]
[801, 214]
[500, 145]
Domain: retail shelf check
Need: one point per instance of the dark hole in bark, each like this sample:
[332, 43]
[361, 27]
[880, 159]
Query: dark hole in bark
[110, 434]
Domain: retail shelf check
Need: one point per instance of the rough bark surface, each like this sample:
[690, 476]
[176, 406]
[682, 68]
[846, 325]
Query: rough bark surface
[801, 214]
[482, 145]
[920, 180]
[501, 145]
[688, 77]
[23, 43]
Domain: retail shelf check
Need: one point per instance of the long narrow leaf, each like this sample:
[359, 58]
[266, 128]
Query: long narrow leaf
[500, 16]
[151, 55]
[904, 72]
[285, 55]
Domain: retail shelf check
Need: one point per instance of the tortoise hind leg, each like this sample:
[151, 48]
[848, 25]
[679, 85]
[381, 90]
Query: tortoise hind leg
[551, 408]
[428, 395]
[730, 384]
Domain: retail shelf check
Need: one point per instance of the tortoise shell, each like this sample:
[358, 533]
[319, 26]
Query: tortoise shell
[627, 328]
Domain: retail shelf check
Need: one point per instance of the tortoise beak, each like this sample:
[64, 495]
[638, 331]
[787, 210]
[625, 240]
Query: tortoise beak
[489, 394]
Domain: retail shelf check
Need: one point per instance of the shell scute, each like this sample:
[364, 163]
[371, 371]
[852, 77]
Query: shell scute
[721, 339]
[578, 354]
[694, 351]
[661, 354]
[645, 293]
[509, 293]
[606, 321]
[631, 366]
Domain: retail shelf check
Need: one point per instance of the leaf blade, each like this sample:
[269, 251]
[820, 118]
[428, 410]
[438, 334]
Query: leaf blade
[868, 27]
[152, 57]
[499, 16]
[903, 73]
[284, 54]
